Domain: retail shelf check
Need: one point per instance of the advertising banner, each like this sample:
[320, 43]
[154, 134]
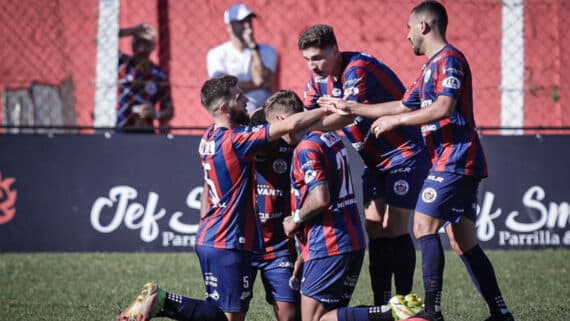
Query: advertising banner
[142, 192]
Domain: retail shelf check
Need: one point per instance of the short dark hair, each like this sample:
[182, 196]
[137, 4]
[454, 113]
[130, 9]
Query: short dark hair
[283, 101]
[437, 10]
[257, 118]
[216, 89]
[317, 36]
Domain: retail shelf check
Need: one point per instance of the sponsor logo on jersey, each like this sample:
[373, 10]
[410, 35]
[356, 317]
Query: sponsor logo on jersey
[351, 83]
[452, 82]
[330, 138]
[401, 187]
[429, 195]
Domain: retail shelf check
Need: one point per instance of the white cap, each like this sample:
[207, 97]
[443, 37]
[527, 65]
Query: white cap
[237, 12]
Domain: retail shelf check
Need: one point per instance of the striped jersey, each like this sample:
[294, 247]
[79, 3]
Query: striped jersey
[139, 87]
[321, 158]
[273, 199]
[227, 157]
[452, 143]
[367, 80]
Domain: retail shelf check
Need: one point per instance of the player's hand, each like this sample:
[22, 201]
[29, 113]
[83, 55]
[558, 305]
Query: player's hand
[145, 31]
[294, 283]
[248, 38]
[289, 226]
[336, 105]
[384, 124]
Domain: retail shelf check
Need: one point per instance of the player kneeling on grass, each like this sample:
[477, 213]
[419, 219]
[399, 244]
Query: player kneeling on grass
[153, 301]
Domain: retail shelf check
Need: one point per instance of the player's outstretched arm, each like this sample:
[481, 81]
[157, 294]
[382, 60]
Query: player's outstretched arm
[346, 108]
[295, 122]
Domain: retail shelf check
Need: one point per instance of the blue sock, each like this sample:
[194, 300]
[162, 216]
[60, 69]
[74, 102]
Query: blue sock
[380, 253]
[483, 276]
[182, 308]
[433, 262]
[404, 261]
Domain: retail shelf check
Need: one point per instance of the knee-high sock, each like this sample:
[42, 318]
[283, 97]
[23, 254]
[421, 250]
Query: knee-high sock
[433, 262]
[380, 268]
[483, 276]
[186, 309]
[404, 262]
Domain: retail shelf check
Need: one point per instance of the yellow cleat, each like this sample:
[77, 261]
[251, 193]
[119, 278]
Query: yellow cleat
[146, 305]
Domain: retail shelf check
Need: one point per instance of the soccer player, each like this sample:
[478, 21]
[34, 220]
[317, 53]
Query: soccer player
[229, 230]
[325, 210]
[441, 101]
[273, 202]
[396, 163]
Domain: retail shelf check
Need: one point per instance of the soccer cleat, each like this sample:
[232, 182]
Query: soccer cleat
[146, 305]
[400, 308]
[501, 317]
[426, 316]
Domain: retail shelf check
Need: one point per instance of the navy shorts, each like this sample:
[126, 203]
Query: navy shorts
[227, 277]
[275, 275]
[331, 280]
[449, 197]
[399, 187]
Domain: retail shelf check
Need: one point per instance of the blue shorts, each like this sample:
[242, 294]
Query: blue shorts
[227, 277]
[449, 197]
[331, 280]
[275, 275]
[399, 187]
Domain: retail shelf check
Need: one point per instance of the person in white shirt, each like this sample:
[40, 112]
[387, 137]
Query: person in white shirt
[254, 64]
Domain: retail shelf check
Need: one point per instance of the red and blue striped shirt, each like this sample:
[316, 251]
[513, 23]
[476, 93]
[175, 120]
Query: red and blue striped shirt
[367, 80]
[321, 158]
[453, 144]
[227, 157]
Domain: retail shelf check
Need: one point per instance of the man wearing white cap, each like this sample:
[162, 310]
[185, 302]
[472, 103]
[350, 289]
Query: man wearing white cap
[253, 63]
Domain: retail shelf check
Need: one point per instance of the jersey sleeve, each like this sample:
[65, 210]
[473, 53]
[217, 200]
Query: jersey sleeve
[450, 77]
[312, 166]
[357, 82]
[412, 98]
[249, 140]
[311, 95]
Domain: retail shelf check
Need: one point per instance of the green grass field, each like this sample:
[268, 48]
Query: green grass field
[95, 286]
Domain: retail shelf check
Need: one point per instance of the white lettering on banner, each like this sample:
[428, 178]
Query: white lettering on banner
[538, 232]
[135, 216]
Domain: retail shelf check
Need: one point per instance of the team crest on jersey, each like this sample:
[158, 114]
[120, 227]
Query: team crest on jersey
[427, 75]
[280, 166]
[310, 176]
[150, 88]
[451, 82]
[401, 187]
[429, 195]
[336, 92]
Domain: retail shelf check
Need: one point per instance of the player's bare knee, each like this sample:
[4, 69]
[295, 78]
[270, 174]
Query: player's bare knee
[329, 316]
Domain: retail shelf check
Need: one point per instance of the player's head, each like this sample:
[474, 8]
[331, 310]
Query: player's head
[280, 105]
[320, 50]
[428, 17]
[144, 41]
[238, 19]
[222, 96]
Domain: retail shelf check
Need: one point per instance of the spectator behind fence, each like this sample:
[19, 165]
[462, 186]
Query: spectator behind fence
[253, 63]
[142, 84]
